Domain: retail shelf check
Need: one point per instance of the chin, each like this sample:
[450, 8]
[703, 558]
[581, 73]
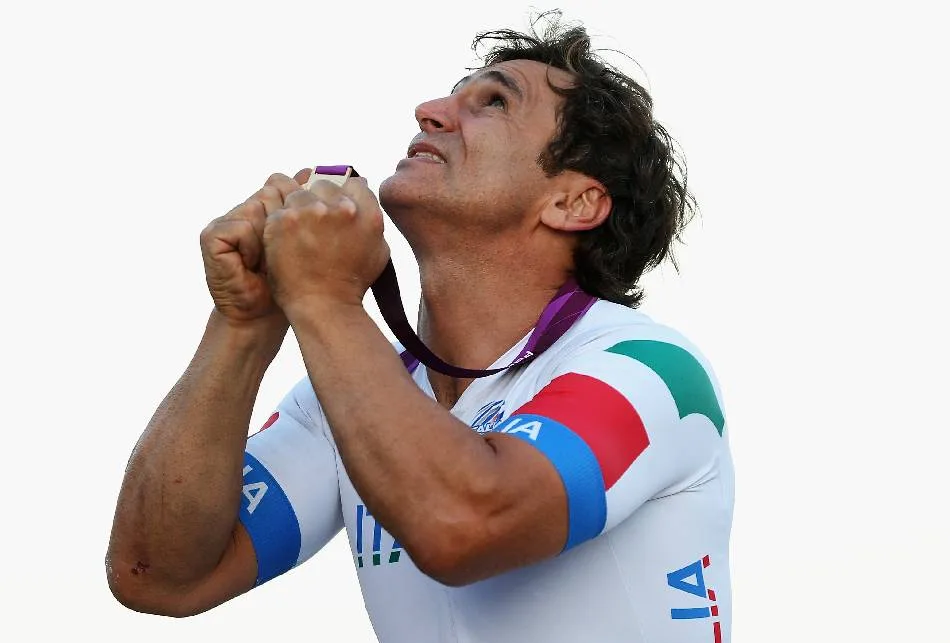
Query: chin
[399, 192]
[389, 191]
[397, 198]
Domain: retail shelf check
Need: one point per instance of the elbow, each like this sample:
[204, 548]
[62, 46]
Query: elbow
[451, 554]
[145, 603]
[445, 565]
[141, 597]
[462, 540]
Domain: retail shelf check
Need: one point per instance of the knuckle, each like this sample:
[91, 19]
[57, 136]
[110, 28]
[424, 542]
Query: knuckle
[253, 207]
[376, 224]
[276, 178]
[325, 189]
[287, 216]
[209, 230]
[231, 212]
[347, 208]
[268, 192]
[301, 198]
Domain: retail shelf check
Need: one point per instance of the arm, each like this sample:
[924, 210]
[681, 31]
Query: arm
[176, 545]
[464, 506]
[593, 445]
[618, 424]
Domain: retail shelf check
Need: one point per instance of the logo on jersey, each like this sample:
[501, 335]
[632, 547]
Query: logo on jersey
[365, 522]
[254, 491]
[522, 424]
[489, 416]
[270, 521]
[682, 373]
[690, 580]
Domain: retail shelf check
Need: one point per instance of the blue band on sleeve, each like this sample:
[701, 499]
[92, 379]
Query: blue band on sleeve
[578, 468]
[270, 521]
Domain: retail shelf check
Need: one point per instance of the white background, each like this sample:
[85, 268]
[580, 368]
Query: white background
[814, 279]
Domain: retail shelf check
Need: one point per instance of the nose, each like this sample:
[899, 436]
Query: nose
[439, 115]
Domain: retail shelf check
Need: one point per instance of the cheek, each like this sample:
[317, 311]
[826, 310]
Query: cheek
[508, 160]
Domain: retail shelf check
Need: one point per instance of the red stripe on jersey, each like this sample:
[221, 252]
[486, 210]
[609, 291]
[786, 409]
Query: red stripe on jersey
[270, 420]
[599, 414]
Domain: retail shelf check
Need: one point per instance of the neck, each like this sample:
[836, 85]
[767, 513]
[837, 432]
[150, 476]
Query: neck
[470, 315]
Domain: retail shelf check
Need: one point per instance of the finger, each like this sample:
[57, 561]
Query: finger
[270, 197]
[233, 235]
[306, 198]
[255, 210]
[284, 184]
[249, 245]
[303, 175]
[336, 199]
[357, 188]
[325, 190]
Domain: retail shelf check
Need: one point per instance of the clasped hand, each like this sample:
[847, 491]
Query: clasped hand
[287, 248]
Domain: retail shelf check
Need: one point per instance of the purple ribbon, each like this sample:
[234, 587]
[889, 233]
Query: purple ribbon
[568, 305]
[335, 170]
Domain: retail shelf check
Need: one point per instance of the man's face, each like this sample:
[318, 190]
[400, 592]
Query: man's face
[474, 166]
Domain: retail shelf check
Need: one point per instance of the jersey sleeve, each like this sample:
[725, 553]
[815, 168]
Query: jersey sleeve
[634, 421]
[291, 501]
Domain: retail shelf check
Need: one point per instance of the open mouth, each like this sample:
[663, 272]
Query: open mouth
[425, 152]
[427, 155]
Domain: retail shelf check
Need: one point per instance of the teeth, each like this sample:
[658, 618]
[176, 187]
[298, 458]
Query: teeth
[429, 155]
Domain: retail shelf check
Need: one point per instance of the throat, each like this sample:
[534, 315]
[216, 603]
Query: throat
[447, 390]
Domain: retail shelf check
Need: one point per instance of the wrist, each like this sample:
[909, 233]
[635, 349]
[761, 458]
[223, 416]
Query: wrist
[323, 309]
[259, 338]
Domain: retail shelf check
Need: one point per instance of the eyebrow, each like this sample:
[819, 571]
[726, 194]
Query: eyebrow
[499, 77]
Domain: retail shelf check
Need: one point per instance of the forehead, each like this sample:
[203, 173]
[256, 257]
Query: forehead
[527, 77]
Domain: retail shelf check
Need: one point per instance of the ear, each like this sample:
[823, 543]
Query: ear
[581, 204]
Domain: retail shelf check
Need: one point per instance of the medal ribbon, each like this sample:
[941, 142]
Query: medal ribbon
[568, 305]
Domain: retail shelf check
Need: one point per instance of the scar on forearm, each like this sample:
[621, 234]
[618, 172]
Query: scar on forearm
[140, 568]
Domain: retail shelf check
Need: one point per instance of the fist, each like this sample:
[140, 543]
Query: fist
[325, 245]
[233, 252]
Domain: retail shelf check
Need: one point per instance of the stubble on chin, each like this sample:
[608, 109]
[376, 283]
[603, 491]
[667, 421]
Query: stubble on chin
[398, 195]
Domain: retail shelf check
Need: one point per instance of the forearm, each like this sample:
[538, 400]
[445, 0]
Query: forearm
[416, 467]
[179, 499]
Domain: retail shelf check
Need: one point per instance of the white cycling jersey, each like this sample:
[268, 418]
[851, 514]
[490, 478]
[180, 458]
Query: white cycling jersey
[630, 415]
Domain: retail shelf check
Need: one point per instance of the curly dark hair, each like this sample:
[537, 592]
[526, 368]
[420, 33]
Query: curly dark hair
[606, 130]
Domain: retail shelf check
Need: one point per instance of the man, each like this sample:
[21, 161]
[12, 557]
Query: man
[585, 494]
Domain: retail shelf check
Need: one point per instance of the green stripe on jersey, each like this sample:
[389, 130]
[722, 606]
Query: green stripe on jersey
[681, 372]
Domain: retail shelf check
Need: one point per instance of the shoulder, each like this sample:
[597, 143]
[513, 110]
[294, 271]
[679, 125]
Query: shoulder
[643, 359]
[615, 329]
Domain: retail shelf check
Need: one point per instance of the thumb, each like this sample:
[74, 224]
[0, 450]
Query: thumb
[303, 175]
[357, 188]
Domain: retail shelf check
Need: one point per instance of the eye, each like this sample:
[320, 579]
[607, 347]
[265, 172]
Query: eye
[496, 100]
